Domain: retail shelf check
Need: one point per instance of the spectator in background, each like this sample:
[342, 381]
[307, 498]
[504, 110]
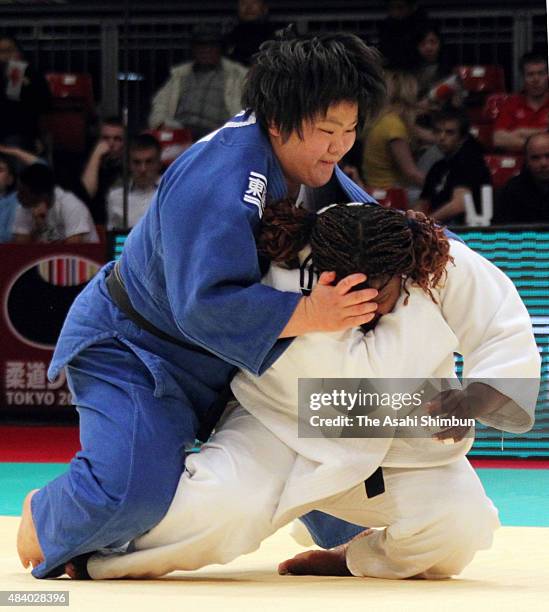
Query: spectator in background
[24, 97]
[103, 171]
[387, 159]
[252, 29]
[12, 160]
[438, 87]
[430, 69]
[525, 198]
[462, 171]
[202, 94]
[526, 113]
[431, 66]
[47, 213]
[397, 33]
[8, 197]
[145, 173]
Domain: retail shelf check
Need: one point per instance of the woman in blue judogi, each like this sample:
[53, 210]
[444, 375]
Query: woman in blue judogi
[151, 342]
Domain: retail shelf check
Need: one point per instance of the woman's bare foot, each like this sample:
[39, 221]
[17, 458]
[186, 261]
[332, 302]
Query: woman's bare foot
[317, 563]
[77, 567]
[28, 546]
[71, 572]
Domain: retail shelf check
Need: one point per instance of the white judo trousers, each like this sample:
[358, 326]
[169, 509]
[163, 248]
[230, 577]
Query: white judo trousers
[435, 519]
[256, 474]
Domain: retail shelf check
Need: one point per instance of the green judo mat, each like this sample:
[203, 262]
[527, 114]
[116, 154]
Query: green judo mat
[521, 495]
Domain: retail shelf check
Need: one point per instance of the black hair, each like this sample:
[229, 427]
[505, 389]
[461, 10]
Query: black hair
[10, 163]
[145, 141]
[113, 120]
[426, 28]
[297, 79]
[532, 57]
[451, 113]
[38, 178]
[380, 242]
[207, 34]
[7, 36]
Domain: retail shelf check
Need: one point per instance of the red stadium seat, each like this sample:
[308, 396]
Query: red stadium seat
[503, 167]
[72, 108]
[172, 142]
[394, 197]
[67, 130]
[489, 112]
[71, 89]
[482, 79]
[484, 133]
[492, 106]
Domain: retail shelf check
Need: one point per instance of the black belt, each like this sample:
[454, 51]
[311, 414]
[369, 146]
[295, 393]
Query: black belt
[375, 484]
[117, 291]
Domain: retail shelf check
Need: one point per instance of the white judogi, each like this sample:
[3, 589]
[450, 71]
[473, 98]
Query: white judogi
[255, 474]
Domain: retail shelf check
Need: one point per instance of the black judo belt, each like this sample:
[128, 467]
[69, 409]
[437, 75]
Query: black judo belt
[374, 484]
[119, 296]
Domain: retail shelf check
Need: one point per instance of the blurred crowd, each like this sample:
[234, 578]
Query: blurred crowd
[451, 141]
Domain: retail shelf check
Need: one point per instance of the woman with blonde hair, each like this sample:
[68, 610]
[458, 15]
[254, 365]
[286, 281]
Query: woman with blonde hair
[387, 160]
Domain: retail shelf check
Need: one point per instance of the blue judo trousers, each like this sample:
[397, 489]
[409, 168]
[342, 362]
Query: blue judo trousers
[190, 268]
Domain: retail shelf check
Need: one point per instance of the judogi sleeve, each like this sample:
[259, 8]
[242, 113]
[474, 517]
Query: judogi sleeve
[210, 259]
[484, 309]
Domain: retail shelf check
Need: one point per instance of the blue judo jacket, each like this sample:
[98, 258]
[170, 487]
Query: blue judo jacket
[190, 267]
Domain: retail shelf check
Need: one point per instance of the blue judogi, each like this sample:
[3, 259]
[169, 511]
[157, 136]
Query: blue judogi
[190, 267]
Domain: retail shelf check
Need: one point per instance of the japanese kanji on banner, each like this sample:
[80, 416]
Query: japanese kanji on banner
[38, 283]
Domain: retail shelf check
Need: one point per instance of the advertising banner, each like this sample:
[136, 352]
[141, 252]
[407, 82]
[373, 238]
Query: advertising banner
[38, 284]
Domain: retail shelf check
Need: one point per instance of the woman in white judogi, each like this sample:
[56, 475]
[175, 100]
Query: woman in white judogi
[437, 297]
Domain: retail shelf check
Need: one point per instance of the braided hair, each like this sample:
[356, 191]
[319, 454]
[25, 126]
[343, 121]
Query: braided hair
[380, 242]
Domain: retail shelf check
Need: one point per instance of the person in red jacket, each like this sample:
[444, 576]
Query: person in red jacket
[527, 113]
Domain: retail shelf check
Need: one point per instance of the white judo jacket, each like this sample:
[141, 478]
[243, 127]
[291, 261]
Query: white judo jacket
[478, 314]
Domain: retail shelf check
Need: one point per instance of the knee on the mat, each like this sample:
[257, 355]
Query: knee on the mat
[472, 522]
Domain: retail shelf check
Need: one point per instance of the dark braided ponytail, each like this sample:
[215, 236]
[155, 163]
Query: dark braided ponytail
[361, 238]
[285, 230]
[431, 252]
[380, 242]
[348, 238]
